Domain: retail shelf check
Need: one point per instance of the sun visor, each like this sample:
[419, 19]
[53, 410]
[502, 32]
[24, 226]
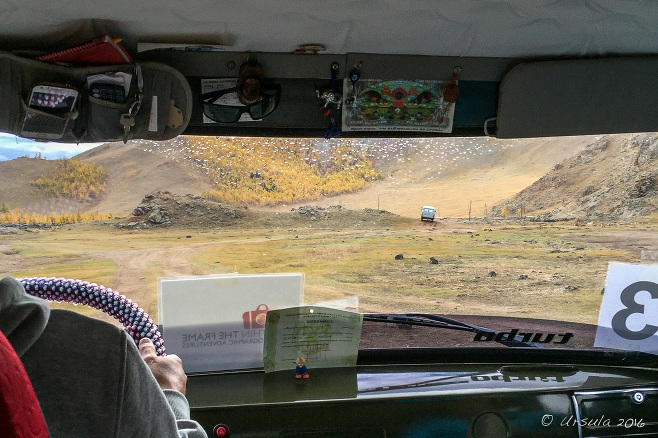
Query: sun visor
[577, 97]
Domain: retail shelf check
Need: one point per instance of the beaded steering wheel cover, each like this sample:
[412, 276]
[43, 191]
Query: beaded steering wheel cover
[138, 324]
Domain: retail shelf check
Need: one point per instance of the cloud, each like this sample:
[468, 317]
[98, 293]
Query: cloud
[12, 146]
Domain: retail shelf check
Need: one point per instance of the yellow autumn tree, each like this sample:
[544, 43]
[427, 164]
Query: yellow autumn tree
[18, 216]
[276, 171]
[73, 179]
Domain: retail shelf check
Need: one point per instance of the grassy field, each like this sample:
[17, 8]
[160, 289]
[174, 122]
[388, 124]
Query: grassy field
[541, 270]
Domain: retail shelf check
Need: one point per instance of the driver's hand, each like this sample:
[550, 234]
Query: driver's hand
[168, 370]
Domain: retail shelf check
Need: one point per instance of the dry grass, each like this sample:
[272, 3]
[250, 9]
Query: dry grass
[564, 267]
[565, 272]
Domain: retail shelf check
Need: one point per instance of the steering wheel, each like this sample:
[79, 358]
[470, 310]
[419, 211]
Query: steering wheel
[136, 321]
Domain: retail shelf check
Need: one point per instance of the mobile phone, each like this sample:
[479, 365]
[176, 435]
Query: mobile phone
[53, 104]
[52, 99]
[109, 92]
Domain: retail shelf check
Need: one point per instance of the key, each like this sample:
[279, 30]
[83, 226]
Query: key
[128, 122]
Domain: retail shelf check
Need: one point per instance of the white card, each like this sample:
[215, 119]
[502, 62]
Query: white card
[153, 119]
[629, 310]
[217, 322]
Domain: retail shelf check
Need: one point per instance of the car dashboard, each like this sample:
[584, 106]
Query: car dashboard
[437, 393]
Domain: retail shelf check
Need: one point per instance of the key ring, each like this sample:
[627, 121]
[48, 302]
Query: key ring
[137, 104]
[134, 108]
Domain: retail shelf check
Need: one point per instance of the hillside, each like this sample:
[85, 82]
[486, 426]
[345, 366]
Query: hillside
[16, 191]
[165, 209]
[448, 173]
[131, 172]
[134, 172]
[445, 172]
[613, 178]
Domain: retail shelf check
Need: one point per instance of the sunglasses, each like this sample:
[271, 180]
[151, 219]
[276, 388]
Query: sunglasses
[224, 113]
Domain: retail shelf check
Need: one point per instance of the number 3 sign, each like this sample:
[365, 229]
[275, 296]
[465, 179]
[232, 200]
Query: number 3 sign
[629, 309]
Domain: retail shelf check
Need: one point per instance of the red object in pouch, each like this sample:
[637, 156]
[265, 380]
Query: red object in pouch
[103, 50]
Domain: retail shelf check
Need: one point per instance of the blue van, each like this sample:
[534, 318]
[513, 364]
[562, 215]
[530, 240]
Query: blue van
[427, 213]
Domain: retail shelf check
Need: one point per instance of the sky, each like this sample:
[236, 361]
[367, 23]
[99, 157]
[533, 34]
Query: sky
[12, 147]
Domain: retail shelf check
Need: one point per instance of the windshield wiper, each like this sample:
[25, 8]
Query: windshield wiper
[427, 320]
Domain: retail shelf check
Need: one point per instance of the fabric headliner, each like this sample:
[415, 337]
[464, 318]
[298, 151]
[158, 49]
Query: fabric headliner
[477, 28]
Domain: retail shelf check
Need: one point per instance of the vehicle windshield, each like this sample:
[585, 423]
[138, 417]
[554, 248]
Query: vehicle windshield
[510, 236]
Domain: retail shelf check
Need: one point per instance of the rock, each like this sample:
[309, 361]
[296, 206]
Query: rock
[399, 257]
[141, 210]
[313, 211]
[571, 288]
[374, 211]
[161, 208]
[491, 274]
[642, 186]
[156, 217]
[434, 261]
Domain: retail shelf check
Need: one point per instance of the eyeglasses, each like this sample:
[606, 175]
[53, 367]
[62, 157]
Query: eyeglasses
[227, 113]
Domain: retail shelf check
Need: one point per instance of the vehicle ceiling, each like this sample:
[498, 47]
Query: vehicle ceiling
[474, 28]
[487, 38]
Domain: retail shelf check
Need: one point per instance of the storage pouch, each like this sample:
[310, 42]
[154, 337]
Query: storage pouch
[165, 96]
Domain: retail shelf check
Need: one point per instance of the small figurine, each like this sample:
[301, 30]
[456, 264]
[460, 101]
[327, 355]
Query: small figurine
[301, 368]
[330, 97]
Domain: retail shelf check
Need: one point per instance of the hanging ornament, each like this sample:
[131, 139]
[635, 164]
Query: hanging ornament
[333, 130]
[451, 92]
[332, 99]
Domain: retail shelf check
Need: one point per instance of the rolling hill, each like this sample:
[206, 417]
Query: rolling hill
[451, 173]
[447, 173]
[614, 178]
[132, 172]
